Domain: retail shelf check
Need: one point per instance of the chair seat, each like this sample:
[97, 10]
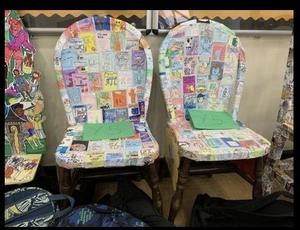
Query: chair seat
[218, 145]
[139, 150]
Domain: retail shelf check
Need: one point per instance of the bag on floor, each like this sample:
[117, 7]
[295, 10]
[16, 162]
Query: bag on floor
[266, 211]
[33, 207]
[129, 198]
[97, 215]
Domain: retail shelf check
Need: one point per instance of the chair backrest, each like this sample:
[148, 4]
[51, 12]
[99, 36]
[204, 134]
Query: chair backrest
[104, 71]
[24, 103]
[201, 65]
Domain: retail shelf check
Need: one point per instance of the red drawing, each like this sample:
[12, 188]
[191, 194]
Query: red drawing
[132, 95]
[19, 38]
[119, 98]
[218, 53]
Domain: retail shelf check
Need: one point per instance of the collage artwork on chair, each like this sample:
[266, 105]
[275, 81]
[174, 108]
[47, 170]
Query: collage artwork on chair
[25, 139]
[202, 66]
[104, 71]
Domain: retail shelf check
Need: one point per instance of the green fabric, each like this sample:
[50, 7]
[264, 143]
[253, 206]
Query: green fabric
[203, 119]
[96, 131]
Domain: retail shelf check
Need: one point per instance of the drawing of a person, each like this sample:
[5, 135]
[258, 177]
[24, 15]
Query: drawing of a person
[21, 84]
[33, 139]
[34, 82]
[18, 38]
[215, 73]
[15, 139]
[37, 121]
[205, 45]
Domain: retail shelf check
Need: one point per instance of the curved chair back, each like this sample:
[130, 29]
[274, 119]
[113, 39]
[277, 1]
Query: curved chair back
[104, 71]
[202, 65]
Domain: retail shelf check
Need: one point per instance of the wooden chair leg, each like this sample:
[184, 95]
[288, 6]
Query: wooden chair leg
[257, 187]
[153, 182]
[65, 183]
[183, 173]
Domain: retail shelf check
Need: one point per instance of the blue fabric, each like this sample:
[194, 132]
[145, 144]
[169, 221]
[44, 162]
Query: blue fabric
[96, 215]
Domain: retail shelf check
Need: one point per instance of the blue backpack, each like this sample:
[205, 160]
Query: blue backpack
[33, 207]
[98, 215]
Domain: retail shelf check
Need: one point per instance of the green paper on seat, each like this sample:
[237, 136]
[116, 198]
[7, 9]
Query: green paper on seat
[100, 131]
[203, 119]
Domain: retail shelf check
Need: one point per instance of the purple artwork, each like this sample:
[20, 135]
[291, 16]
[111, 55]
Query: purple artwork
[68, 77]
[138, 59]
[189, 84]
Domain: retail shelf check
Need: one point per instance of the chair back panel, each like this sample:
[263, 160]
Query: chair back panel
[24, 102]
[104, 71]
[202, 65]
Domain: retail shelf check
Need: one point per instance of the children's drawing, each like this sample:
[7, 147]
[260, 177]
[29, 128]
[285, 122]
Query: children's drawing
[110, 81]
[85, 25]
[121, 114]
[216, 71]
[109, 115]
[131, 96]
[21, 169]
[104, 100]
[192, 46]
[94, 116]
[24, 103]
[102, 23]
[189, 65]
[138, 60]
[117, 41]
[123, 60]
[107, 61]
[119, 98]
[205, 46]
[19, 40]
[139, 77]
[189, 84]
[89, 41]
[80, 113]
[103, 41]
[218, 52]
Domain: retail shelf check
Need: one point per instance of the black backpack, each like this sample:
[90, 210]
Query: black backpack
[266, 211]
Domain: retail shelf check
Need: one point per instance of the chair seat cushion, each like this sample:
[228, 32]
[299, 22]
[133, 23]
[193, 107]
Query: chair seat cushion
[138, 150]
[218, 145]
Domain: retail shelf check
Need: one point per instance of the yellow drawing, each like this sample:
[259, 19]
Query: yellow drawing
[110, 81]
[16, 143]
[89, 41]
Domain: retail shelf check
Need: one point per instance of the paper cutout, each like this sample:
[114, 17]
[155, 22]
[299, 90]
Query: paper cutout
[119, 98]
[94, 132]
[24, 105]
[202, 119]
[110, 81]
[21, 169]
